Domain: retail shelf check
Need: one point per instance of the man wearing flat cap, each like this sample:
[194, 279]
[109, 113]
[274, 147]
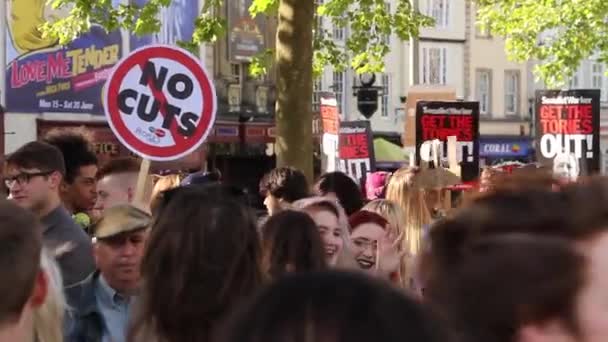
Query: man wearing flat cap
[101, 303]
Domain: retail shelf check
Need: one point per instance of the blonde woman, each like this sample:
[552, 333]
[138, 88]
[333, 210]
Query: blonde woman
[405, 190]
[48, 319]
[332, 222]
[393, 213]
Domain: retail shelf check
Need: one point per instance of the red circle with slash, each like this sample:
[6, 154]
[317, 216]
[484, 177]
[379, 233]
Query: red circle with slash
[160, 102]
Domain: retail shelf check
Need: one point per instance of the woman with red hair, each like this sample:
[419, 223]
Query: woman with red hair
[374, 246]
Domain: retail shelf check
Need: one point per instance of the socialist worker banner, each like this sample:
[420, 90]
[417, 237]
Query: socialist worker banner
[437, 120]
[356, 149]
[568, 131]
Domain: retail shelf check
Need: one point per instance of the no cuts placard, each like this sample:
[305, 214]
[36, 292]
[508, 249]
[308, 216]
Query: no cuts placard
[160, 102]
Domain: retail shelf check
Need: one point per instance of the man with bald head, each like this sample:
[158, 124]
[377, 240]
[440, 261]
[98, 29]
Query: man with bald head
[117, 183]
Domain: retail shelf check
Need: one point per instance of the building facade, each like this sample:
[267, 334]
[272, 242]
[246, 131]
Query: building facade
[387, 122]
[441, 49]
[69, 94]
[502, 88]
[240, 143]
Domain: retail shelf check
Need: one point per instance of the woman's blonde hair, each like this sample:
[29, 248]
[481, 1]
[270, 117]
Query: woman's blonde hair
[162, 184]
[48, 318]
[395, 216]
[391, 212]
[404, 190]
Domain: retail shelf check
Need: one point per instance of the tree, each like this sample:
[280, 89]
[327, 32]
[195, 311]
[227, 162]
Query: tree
[301, 49]
[559, 34]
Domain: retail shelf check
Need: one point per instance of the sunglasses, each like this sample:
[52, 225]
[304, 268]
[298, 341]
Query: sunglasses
[24, 177]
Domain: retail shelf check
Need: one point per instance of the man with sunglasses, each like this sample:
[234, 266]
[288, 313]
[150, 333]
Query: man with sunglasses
[33, 176]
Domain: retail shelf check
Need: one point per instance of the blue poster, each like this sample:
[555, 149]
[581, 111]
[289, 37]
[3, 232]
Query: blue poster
[42, 76]
[177, 24]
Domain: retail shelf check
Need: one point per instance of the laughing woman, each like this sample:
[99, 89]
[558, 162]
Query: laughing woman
[375, 247]
[393, 213]
[333, 227]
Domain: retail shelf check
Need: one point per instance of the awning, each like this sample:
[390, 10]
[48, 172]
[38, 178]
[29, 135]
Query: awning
[235, 132]
[387, 153]
[258, 132]
[505, 147]
[224, 132]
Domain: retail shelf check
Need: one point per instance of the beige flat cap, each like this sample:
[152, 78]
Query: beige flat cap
[121, 219]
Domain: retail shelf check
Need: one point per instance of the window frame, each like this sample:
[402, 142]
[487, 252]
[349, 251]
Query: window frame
[516, 95]
[386, 93]
[338, 89]
[442, 69]
[478, 91]
[317, 89]
[442, 20]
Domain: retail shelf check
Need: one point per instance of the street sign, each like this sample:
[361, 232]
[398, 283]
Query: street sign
[160, 102]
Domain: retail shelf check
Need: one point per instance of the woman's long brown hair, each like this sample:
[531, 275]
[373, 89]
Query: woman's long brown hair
[201, 261]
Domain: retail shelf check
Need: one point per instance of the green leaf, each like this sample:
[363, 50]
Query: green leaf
[268, 7]
[261, 63]
[558, 34]
[368, 23]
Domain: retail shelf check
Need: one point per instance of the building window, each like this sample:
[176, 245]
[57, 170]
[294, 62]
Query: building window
[338, 33]
[484, 91]
[317, 88]
[318, 19]
[387, 38]
[511, 92]
[573, 83]
[434, 65]
[440, 11]
[235, 72]
[597, 75]
[386, 94]
[338, 88]
[482, 32]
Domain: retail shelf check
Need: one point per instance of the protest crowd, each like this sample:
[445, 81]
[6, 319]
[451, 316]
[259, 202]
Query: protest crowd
[90, 255]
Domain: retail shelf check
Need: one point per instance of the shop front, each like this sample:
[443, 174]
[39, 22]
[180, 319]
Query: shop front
[495, 150]
[107, 145]
[243, 153]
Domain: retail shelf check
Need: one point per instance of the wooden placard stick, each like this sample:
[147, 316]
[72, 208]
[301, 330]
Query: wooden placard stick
[452, 157]
[453, 166]
[142, 180]
[435, 154]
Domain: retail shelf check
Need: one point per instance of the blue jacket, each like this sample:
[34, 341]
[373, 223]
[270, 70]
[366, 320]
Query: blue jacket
[84, 321]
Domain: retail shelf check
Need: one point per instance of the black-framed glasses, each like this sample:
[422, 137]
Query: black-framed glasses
[24, 177]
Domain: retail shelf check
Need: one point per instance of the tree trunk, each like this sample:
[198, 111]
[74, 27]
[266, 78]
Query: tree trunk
[294, 145]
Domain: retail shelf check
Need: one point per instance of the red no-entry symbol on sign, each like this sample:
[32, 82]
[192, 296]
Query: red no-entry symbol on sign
[160, 102]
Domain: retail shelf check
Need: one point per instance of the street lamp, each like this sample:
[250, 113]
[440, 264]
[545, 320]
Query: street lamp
[367, 95]
[367, 79]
